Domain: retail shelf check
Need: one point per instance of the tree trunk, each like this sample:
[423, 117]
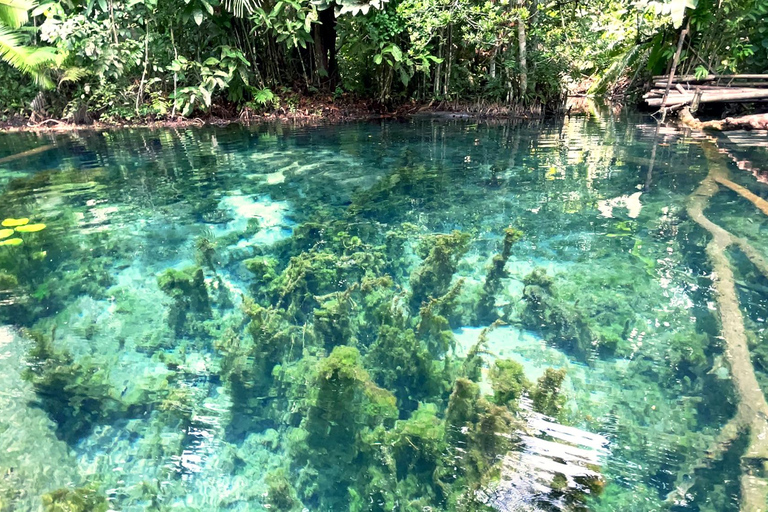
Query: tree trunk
[523, 56]
[671, 78]
[325, 49]
[492, 65]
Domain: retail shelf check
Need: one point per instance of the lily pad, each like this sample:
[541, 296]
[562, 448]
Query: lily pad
[12, 223]
[5, 233]
[30, 228]
[12, 241]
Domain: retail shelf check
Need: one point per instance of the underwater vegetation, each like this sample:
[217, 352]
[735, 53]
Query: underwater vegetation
[439, 329]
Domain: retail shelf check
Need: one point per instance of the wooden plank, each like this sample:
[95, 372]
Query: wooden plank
[710, 97]
[743, 85]
[709, 78]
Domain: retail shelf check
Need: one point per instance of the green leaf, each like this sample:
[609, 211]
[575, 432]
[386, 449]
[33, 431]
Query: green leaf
[198, 16]
[397, 53]
[377, 59]
[404, 77]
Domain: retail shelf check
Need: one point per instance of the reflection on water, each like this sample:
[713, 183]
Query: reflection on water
[432, 315]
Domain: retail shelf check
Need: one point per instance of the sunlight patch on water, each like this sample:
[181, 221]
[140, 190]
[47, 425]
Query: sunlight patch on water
[273, 219]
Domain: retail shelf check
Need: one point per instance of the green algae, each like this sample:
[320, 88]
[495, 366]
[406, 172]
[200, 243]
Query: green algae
[486, 308]
[83, 499]
[441, 255]
[188, 290]
[547, 397]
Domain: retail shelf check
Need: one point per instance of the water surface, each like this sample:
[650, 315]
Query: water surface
[427, 315]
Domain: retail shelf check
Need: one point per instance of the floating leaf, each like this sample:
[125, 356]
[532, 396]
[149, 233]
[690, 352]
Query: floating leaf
[12, 241]
[30, 228]
[12, 223]
[5, 233]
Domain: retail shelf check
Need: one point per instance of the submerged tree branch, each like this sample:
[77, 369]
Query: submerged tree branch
[752, 409]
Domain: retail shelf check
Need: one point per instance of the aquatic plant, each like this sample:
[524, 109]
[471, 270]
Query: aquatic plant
[404, 464]
[547, 395]
[401, 363]
[559, 321]
[486, 307]
[205, 246]
[12, 223]
[331, 320]
[508, 382]
[188, 290]
[30, 228]
[248, 360]
[441, 255]
[76, 395]
[81, 499]
[344, 402]
[281, 495]
[484, 430]
[433, 327]
[264, 270]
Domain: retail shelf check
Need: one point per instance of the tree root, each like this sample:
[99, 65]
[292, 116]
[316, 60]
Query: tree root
[752, 411]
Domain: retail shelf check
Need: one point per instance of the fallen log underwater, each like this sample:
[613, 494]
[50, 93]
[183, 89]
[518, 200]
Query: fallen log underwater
[749, 122]
[751, 416]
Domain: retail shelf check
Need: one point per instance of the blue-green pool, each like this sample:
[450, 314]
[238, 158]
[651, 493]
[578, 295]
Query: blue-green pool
[388, 316]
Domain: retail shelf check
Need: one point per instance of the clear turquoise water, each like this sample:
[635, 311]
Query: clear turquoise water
[286, 362]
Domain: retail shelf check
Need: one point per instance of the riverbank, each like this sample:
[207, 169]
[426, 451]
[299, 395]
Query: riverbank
[299, 110]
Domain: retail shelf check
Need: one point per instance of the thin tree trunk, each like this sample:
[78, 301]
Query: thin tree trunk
[439, 67]
[175, 78]
[140, 93]
[325, 49]
[447, 83]
[492, 65]
[523, 55]
[112, 20]
[680, 41]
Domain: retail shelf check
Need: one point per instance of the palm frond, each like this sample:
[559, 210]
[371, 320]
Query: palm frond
[32, 61]
[73, 74]
[238, 7]
[14, 13]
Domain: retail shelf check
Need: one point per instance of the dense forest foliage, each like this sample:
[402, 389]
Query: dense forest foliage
[108, 59]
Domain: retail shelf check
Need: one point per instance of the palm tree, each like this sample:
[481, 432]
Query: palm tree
[13, 14]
